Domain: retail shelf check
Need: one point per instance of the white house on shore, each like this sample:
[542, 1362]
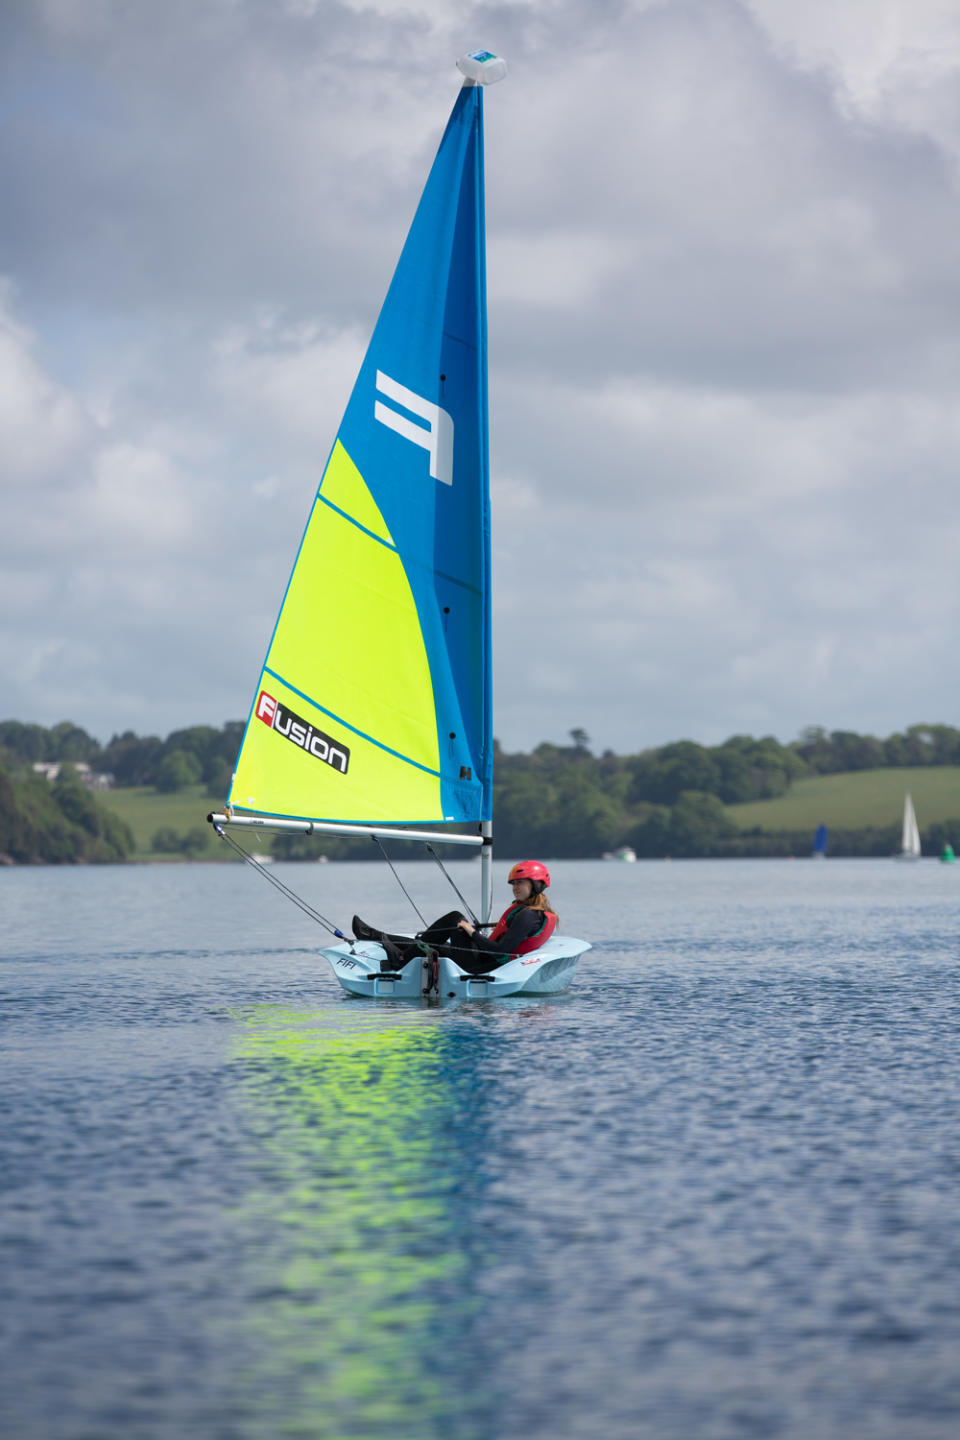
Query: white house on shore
[93, 779]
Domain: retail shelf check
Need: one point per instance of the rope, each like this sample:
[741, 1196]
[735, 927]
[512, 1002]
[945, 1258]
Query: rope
[376, 840]
[284, 889]
[463, 902]
[328, 925]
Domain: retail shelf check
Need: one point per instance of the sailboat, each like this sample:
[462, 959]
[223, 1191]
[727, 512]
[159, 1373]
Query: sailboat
[373, 710]
[820, 843]
[910, 840]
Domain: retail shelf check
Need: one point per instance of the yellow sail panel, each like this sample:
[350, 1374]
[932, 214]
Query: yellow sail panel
[308, 766]
[344, 486]
[349, 634]
[347, 664]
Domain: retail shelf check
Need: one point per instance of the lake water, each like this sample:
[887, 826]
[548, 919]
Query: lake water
[712, 1192]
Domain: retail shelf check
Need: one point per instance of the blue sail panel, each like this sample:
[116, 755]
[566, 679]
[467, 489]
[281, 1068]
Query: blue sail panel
[416, 428]
[375, 694]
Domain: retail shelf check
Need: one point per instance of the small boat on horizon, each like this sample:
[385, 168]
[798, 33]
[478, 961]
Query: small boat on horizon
[910, 837]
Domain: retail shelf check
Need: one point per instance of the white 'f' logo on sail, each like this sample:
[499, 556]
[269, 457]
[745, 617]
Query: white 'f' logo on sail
[436, 438]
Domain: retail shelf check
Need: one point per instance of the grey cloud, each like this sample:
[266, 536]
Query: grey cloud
[723, 348]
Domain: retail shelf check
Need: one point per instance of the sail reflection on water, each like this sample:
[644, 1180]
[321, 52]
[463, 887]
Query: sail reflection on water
[361, 1264]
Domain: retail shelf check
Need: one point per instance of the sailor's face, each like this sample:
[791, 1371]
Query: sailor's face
[522, 889]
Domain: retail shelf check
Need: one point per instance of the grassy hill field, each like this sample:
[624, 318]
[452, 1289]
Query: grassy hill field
[854, 800]
[146, 812]
[857, 799]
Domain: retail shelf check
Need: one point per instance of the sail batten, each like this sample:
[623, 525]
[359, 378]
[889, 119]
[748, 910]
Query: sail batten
[346, 724]
[373, 703]
[380, 539]
[440, 574]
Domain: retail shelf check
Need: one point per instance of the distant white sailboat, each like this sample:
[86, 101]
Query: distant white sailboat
[910, 841]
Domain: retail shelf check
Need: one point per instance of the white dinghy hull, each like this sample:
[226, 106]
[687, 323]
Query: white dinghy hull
[357, 967]
[545, 972]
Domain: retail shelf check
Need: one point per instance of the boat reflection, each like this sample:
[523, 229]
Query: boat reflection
[362, 1265]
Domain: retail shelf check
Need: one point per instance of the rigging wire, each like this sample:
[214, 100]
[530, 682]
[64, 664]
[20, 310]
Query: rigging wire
[322, 920]
[284, 889]
[463, 902]
[470, 950]
[376, 841]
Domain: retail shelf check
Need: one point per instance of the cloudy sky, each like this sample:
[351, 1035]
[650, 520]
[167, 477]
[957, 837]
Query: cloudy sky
[725, 351]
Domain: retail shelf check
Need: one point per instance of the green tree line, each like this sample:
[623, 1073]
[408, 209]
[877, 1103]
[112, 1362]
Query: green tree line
[562, 801]
[558, 800]
[185, 757]
[61, 823]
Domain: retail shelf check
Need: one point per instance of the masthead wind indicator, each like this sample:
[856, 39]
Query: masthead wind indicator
[482, 67]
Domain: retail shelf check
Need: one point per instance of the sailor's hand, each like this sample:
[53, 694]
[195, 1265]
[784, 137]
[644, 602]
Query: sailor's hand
[465, 925]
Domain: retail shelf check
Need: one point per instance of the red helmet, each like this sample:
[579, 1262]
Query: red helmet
[531, 870]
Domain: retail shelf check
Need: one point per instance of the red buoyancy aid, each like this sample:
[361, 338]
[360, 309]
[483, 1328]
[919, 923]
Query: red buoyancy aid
[547, 927]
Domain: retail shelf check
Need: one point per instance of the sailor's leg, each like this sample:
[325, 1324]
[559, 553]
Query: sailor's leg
[400, 949]
[441, 930]
[475, 962]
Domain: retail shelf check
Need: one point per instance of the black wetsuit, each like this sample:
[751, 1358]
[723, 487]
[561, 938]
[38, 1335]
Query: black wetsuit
[476, 953]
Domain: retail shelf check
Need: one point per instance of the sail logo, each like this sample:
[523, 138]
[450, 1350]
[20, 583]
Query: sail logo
[277, 717]
[436, 437]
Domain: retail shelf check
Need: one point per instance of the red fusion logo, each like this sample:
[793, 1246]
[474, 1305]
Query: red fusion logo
[321, 746]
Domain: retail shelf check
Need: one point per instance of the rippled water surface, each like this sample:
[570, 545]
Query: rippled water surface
[710, 1192]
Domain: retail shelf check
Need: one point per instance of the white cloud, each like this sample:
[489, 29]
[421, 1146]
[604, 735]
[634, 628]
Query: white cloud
[886, 57]
[42, 426]
[562, 271]
[138, 498]
[295, 376]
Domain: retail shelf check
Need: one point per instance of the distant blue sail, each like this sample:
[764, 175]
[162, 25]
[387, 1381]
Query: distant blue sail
[820, 841]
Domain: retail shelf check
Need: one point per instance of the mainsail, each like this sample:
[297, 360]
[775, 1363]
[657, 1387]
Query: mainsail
[373, 705]
[910, 837]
